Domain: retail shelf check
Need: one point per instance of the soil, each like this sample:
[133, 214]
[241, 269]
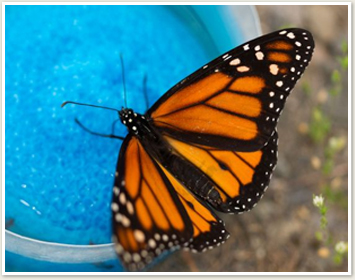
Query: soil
[279, 235]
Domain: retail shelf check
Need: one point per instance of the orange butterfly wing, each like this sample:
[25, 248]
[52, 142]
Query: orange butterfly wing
[217, 130]
[240, 178]
[153, 213]
[234, 102]
[208, 229]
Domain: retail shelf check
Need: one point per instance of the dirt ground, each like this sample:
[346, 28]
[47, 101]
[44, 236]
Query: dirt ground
[279, 235]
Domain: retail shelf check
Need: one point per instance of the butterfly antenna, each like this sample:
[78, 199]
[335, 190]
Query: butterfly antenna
[89, 105]
[124, 82]
[145, 91]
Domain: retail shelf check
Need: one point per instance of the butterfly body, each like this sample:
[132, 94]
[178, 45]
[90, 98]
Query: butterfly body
[158, 148]
[209, 143]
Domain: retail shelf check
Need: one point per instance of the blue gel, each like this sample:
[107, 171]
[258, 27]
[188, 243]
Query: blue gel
[59, 178]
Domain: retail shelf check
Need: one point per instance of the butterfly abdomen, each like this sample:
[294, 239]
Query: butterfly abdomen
[191, 177]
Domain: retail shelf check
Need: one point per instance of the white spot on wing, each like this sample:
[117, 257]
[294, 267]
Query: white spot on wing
[152, 243]
[291, 35]
[243, 69]
[234, 62]
[130, 208]
[119, 249]
[116, 190]
[127, 256]
[114, 207]
[118, 217]
[122, 198]
[125, 221]
[274, 69]
[228, 57]
[139, 235]
[279, 83]
[136, 257]
[259, 55]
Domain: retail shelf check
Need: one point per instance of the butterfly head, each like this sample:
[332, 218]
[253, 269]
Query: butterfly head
[131, 119]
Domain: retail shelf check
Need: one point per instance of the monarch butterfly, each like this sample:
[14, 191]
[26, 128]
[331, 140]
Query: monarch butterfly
[209, 143]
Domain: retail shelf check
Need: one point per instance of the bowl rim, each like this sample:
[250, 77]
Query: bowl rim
[57, 252]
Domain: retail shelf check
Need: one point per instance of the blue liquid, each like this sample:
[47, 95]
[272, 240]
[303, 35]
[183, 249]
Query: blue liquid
[59, 178]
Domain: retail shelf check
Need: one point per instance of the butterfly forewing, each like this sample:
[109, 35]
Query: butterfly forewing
[235, 101]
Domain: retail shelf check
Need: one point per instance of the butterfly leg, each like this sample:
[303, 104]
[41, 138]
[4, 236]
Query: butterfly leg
[113, 126]
[99, 134]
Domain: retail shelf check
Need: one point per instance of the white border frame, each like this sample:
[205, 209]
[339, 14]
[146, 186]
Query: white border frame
[348, 4]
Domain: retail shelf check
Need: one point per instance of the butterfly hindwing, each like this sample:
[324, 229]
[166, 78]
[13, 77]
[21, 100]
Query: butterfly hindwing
[153, 213]
[235, 101]
[147, 213]
[208, 229]
[240, 178]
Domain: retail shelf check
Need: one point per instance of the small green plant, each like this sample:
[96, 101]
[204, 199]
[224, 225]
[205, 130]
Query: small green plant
[321, 133]
[306, 88]
[336, 81]
[341, 249]
[320, 125]
[335, 145]
[343, 60]
[318, 201]
[323, 235]
[336, 77]
[335, 196]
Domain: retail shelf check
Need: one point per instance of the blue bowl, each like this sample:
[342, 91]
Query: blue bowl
[58, 177]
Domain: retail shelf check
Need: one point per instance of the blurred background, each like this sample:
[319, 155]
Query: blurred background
[59, 178]
[286, 232]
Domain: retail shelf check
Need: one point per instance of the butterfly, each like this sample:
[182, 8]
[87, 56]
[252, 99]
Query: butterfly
[208, 144]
